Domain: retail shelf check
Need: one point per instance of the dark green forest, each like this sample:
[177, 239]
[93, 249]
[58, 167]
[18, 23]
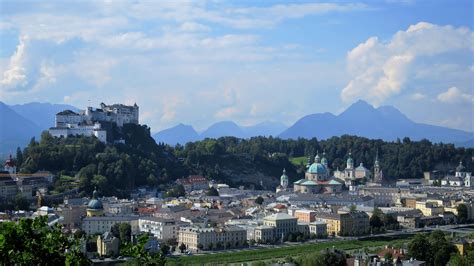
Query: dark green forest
[141, 161]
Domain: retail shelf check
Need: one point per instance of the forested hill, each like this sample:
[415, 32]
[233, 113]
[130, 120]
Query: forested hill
[120, 167]
[399, 159]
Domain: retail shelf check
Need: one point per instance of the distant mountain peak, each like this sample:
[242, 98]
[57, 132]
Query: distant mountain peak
[362, 119]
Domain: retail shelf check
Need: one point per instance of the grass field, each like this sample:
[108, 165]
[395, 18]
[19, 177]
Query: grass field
[281, 252]
[298, 160]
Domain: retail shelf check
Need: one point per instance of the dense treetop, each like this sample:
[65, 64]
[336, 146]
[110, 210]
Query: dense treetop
[141, 161]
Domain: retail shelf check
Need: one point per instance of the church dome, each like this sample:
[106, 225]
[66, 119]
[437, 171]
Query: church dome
[317, 168]
[94, 203]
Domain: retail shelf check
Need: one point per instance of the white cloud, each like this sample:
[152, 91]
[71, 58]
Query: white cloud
[15, 74]
[455, 95]
[193, 27]
[417, 96]
[236, 17]
[380, 70]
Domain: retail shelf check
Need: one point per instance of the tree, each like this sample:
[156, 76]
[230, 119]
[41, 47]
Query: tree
[458, 260]
[462, 213]
[141, 255]
[388, 257]
[212, 192]
[165, 249]
[182, 247]
[259, 200]
[33, 242]
[419, 248]
[21, 203]
[176, 191]
[125, 232]
[100, 182]
[376, 218]
[336, 258]
[352, 208]
[19, 157]
[122, 231]
[200, 246]
[210, 246]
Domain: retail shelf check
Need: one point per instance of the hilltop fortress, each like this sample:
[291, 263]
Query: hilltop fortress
[93, 121]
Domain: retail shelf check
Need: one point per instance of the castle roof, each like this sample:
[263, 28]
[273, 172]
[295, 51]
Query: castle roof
[67, 112]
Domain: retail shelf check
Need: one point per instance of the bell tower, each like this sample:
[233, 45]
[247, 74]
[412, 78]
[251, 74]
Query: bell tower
[377, 170]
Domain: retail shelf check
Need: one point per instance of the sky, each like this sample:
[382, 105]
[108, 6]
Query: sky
[200, 62]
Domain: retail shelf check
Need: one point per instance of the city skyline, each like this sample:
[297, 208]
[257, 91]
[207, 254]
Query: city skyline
[199, 63]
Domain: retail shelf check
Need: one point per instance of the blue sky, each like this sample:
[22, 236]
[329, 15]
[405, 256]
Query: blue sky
[199, 62]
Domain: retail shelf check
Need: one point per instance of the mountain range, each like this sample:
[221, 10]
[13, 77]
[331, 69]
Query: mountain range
[361, 119]
[186, 133]
[19, 123]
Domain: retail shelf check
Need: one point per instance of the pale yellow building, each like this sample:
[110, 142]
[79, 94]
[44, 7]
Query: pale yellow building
[264, 233]
[282, 223]
[343, 224]
[196, 238]
[429, 208]
[108, 245]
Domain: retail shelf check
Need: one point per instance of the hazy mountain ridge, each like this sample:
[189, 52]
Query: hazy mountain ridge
[19, 123]
[42, 114]
[185, 133]
[360, 119]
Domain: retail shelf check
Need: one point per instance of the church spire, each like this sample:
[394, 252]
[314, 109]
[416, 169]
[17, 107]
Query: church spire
[317, 159]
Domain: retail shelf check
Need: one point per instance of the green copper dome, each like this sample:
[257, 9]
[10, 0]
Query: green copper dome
[94, 203]
[317, 168]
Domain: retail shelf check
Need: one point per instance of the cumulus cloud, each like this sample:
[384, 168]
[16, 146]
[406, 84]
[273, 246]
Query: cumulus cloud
[380, 70]
[15, 74]
[455, 95]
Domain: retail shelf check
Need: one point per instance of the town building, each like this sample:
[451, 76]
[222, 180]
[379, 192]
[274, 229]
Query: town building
[318, 228]
[101, 224]
[193, 182]
[429, 208]
[306, 216]
[282, 223]
[264, 234]
[343, 224]
[8, 187]
[461, 178]
[108, 245]
[197, 238]
[161, 229]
